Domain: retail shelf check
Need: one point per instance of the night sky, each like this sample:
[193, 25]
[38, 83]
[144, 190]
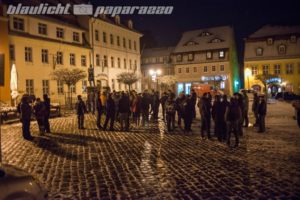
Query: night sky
[246, 16]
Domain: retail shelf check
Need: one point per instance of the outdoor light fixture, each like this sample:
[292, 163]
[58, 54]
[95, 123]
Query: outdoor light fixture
[248, 74]
[154, 74]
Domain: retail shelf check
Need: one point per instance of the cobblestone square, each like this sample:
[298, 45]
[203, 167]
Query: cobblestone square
[148, 163]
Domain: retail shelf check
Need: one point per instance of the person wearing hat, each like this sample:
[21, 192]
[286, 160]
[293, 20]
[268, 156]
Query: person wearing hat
[262, 111]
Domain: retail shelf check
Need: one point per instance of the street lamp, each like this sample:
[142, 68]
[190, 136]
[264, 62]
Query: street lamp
[154, 74]
[248, 74]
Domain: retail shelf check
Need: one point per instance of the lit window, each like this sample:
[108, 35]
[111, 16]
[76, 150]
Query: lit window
[289, 68]
[75, 37]
[265, 69]
[18, 24]
[179, 70]
[293, 39]
[222, 68]
[187, 70]
[72, 59]
[205, 69]
[59, 58]
[178, 58]
[259, 51]
[282, 49]
[277, 69]
[254, 70]
[270, 41]
[190, 57]
[195, 69]
[83, 61]
[59, 33]
[208, 55]
[213, 68]
[44, 56]
[221, 54]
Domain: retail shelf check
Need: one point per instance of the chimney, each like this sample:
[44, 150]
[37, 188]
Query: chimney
[117, 19]
[130, 24]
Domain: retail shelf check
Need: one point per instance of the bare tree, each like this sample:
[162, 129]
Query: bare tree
[128, 78]
[167, 81]
[68, 77]
[265, 79]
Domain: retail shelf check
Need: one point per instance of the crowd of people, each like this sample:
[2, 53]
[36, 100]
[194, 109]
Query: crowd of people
[132, 109]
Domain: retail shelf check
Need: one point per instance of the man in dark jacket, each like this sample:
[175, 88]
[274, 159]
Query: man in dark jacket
[80, 110]
[99, 109]
[187, 113]
[205, 115]
[179, 108]
[218, 117]
[232, 116]
[255, 108]
[162, 101]
[194, 101]
[110, 113]
[124, 110]
[25, 115]
[155, 105]
[262, 111]
[245, 109]
[240, 101]
[145, 105]
[47, 113]
[170, 112]
[39, 112]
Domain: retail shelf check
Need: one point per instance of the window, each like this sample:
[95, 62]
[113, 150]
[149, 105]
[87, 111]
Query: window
[104, 37]
[205, 33]
[119, 63]
[124, 42]
[157, 60]
[83, 61]
[29, 86]
[72, 59]
[130, 66]
[270, 41]
[289, 68]
[187, 70]
[42, 29]
[259, 51]
[60, 33]
[75, 37]
[134, 45]
[195, 69]
[105, 61]
[254, 70]
[221, 54]
[208, 55]
[112, 62]
[12, 52]
[190, 57]
[135, 65]
[59, 58]
[125, 66]
[129, 44]
[277, 69]
[213, 68]
[97, 60]
[60, 87]
[96, 35]
[44, 55]
[73, 88]
[265, 69]
[179, 70]
[222, 68]
[28, 54]
[84, 86]
[113, 84]
[216, 40]
[282, 49]
[205, 69]
[111, 39]
[18, 24]
[178, 58]
[293, 39]
[118, 40]
[45, 86]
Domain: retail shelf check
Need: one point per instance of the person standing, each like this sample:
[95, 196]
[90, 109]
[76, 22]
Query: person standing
[218, 117]
[110, 113]
[24, 109]
[205, 115]
[245, 109]
[99, 109]
[224, 105]
[145, 105]
[239, 98]
[232, 117]
[136, 109]
[255, 108]
[187, 113]
[162, 101]
[262, 111]
[47, 104]
[179, 108]
[194, 100]
[80, 111]
[124, 110]
[39, 112]
[170, 112]
[155, 105]
[296, 105]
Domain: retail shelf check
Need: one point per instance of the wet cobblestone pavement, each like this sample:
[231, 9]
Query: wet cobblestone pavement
[148, 163]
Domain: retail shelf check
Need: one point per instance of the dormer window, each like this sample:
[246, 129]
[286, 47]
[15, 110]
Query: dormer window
[270, 41]
[221, 54]
[216, 40]
[282, 49]
[204, 33]
[190, 57]
[293, 38]
[208, 55]
[190, 43]
[117, 19]
[259, 51]
[178, 58]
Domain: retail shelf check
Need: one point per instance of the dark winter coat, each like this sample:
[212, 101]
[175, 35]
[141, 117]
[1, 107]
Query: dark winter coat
[124, 105]
[233, 112]
[205, 107]
[80, 107]
[39, 110]
[217, 111]
[145, 103]
[25, 111]
[110, 107]
[262, 108]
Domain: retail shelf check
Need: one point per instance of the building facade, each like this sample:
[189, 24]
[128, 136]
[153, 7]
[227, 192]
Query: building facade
[40, 45]
[115, 49]
[273, 50]
[156, 60]
[4, 59]
[207, 56]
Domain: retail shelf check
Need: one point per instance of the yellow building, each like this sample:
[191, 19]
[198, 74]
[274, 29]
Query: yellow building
[39, 45]
[4, 59]
[273, 50]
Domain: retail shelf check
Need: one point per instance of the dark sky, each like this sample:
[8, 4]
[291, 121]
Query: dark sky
[246, 16]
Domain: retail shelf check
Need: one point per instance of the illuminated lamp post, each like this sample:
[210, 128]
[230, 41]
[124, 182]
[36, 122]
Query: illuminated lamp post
[154, 74]
[248, 74]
